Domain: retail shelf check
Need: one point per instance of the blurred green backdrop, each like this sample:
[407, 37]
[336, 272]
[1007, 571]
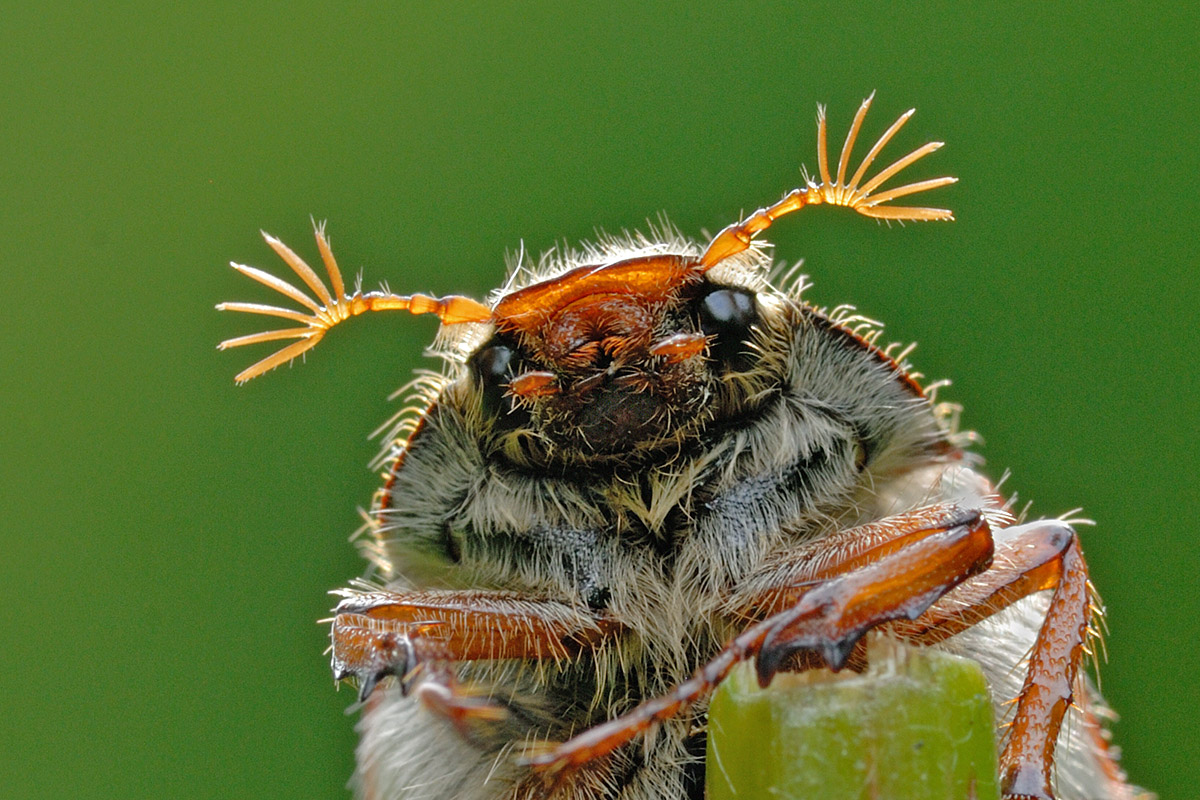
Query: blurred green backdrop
[168, 539]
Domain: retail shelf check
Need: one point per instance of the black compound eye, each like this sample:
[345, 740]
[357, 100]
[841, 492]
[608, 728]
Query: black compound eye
[490, 365]
[491, 362]
[493, 366]
[726, 315]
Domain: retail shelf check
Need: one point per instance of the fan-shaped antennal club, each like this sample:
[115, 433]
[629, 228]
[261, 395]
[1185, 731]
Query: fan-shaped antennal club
[737, 237]
[329, 307]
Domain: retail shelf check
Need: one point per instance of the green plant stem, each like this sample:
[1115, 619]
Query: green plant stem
[918, 724]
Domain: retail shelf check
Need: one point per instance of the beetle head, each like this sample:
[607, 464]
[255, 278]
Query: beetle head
[605, 360]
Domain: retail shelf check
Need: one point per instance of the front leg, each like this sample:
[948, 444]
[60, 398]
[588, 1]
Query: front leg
[417, 637]
[891, 570]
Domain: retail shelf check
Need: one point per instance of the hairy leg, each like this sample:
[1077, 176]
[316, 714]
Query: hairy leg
[898, 575]
[418, 636]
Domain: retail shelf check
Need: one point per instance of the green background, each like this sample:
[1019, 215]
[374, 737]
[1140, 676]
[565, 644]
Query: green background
[168, 539]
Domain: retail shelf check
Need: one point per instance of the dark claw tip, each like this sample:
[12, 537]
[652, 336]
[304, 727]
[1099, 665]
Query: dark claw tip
[767, 666]
[366, 685]
[774, 653]
[367, 682]
[770, 659]
[836, 654]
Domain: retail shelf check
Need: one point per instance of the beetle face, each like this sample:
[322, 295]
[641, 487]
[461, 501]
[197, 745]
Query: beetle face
[609, 361]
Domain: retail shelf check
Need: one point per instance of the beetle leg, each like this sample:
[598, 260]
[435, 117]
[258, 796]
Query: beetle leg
[415, 636]
[829, 618]
[1038, 556]
[785, 577]
[900, 585]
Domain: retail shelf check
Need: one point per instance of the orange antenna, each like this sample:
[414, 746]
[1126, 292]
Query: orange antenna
[737, 237]
[332, 308]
